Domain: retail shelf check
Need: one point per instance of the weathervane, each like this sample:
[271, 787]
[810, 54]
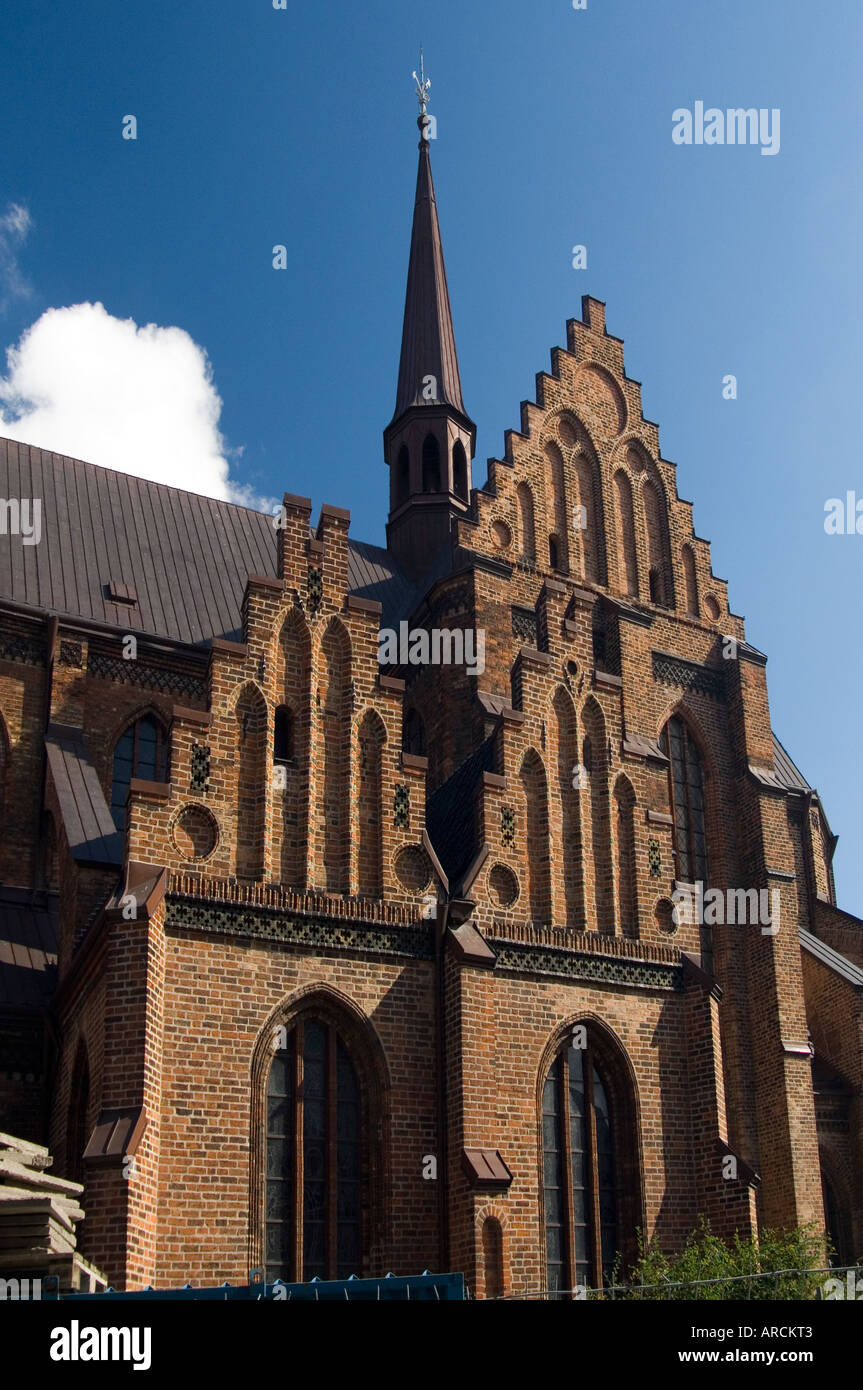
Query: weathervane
[423, 88]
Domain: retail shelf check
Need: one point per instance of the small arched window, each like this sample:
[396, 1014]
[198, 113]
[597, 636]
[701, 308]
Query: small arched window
[142, 751]
[582, 1163]
[553, 554]
[431, 464]
[459, 471]
[315, 1162]
[283, 735]
[686, 792]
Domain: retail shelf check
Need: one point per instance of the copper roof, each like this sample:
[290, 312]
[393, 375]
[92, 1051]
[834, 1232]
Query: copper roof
[92, 836]
[28, 947]
[183, 558]
[428, 337]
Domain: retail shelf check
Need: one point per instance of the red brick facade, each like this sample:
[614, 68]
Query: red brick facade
[257, 892]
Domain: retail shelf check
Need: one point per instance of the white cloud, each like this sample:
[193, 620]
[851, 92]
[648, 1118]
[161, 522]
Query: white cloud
[14, 225]
[141, 400]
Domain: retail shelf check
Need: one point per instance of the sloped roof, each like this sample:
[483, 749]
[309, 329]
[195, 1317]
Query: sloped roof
[185, 558]
[29, 938]
[839, 964]
[786, 770]
[90, 830]
[450, 817]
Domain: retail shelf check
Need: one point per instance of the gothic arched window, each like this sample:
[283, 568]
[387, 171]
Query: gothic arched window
[686, 791]
[459, 470]
[582, 1178]
[315, 1162]
[142, 751]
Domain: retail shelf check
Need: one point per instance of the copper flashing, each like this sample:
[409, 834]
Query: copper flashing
[485, 1168]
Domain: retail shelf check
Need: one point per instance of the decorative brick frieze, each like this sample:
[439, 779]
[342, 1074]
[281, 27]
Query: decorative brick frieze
[415, 942]
[148, 677]
[674, 670]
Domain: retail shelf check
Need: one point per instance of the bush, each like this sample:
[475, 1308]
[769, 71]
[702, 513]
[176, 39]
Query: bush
[783, 1259]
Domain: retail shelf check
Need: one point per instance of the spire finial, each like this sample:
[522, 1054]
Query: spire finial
[423, 87]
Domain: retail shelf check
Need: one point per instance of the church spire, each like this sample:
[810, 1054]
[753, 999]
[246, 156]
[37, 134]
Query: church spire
[430, 440]
[428, 337]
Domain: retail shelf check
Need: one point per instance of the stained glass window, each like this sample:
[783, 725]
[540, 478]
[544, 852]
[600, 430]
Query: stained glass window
[579, 1174]
[686, 785]
[314, 1174]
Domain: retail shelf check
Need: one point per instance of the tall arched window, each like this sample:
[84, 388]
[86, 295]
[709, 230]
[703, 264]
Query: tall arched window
[586, 1147]
[686, 791]
[142, 751]
[431, 464]
[459, 470]
[316, 1163]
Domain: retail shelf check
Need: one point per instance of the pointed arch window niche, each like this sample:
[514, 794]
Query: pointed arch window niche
[686, 792]
[589, 1162]
[141, 751]
[316, 1157]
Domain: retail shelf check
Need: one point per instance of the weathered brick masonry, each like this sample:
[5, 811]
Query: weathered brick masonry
[323, 966]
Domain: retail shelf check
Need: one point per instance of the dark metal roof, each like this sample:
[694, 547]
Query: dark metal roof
[28, 947]
[428, 337]
[841, 965]
[787, 771]
[90, 830]
[450, 818]
[184, 558]
[372, 573]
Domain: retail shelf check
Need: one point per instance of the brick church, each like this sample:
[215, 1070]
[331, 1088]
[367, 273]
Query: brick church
[323, 966]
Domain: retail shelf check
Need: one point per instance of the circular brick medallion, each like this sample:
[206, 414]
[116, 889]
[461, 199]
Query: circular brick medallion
[195, 833]
[664, 914]
[502, 886]
[413, 869]
[711, 607]
[567, 431]
[501, 534]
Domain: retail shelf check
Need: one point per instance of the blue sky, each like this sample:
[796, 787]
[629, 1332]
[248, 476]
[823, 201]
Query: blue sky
[259, 126]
